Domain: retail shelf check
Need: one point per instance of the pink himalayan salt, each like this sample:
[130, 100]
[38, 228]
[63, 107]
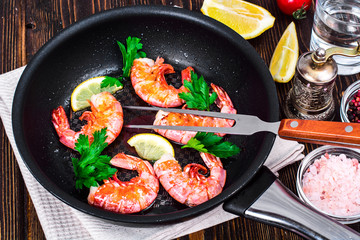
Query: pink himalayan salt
[332, 184]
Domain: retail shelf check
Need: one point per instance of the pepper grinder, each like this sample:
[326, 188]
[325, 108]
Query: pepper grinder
[311, 96]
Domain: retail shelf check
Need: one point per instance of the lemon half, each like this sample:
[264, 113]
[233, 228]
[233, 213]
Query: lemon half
[285, 56]
[83, 92]
[151, 146]
[247, 19]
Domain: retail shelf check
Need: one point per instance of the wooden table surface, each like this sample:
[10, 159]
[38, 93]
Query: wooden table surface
[27, 24]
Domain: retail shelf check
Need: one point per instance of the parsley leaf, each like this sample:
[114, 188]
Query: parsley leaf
[129, 54]
[92, 167]
[198, 97]
[213, 144]
[110, 81]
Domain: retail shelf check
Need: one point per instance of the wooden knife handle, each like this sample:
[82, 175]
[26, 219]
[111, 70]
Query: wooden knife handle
[321, 132]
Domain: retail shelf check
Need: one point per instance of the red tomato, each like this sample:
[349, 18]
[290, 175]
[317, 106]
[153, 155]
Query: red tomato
[290, 6]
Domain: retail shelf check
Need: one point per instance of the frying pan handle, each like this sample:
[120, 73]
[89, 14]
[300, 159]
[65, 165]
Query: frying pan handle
[267, 200]
[321, 132]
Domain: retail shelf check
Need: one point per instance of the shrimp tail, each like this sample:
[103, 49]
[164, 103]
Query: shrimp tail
[223, 99]
[159, 60]
[224, 102]
[215, 164]
[186, 74]
[62, 127]
[59, 119]
[163, 70]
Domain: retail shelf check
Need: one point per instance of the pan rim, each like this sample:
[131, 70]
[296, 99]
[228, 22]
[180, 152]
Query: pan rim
[164, 11]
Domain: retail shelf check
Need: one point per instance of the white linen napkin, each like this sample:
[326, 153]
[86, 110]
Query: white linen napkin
[59, 221]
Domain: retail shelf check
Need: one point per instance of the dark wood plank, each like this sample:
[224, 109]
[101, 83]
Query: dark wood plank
[12, 192]
[13, 214]
[28, 24]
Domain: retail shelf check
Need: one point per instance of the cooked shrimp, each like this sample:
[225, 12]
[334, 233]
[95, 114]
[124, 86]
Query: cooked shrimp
[106, 111]
[189, 186]
[148, 80]
[130, 196]
[178, 119]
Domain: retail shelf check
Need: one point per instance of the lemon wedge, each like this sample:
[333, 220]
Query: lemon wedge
[284, 59]
[83, 92]
[247, 19]
[151, 146]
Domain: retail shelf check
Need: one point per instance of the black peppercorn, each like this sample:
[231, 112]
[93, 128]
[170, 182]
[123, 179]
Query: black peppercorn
[353, 111]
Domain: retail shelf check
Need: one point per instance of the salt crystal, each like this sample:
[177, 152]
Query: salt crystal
[332, 184]
[313, 169]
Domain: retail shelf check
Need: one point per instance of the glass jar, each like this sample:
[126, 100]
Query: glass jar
[309, 160]
[347, 97]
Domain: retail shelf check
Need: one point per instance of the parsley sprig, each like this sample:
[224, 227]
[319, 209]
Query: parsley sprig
[199, 96]
[92, 167]
[213, 144]
[110, 81]
[129, 54]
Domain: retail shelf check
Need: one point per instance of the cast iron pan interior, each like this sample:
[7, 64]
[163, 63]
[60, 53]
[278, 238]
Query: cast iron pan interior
[88, 49]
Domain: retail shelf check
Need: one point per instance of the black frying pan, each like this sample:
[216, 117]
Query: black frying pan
[88, 49]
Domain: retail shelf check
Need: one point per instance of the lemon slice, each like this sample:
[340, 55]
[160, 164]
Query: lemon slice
[284, 59]
[247, 19]
[83, 92]
[151, 146]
